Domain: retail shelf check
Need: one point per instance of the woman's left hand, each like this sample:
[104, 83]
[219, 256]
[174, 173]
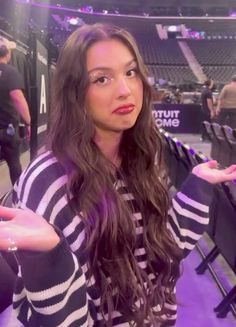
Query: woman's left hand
[210, 172]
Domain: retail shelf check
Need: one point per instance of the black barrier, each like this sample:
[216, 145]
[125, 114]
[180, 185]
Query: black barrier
[40, 96]
[178, 118]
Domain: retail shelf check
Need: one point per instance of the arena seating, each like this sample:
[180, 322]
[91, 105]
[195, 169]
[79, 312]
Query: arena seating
[163, 57]
[177, 75]
[220, 74]
[230, 136]
[214, 52]
[219, 143]
[165, 52]
[180, 159]
[223, 236]
[223, 143]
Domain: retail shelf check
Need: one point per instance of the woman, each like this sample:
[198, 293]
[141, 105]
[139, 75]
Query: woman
[106, 253]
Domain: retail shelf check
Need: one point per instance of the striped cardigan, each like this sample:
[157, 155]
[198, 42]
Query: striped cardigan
[53, 289]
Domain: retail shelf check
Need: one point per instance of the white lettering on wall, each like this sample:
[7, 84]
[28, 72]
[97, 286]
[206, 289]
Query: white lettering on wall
[42, 129]
[167, 118]
[43, 104]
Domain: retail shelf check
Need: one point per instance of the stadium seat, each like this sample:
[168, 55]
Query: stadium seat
[215, 143]
[221, 153]
[183, 167]
[230, 136]
[208, 131]
[223, 236]
[171, 159]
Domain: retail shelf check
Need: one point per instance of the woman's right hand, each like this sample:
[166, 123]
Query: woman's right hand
[27, 230]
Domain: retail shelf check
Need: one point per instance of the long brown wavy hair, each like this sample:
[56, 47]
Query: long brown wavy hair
[109, 226]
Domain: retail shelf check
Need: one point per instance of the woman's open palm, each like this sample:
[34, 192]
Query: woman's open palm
[26, 229]
[210, 172]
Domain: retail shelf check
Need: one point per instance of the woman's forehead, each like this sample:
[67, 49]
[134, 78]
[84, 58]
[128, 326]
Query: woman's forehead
[108, 53]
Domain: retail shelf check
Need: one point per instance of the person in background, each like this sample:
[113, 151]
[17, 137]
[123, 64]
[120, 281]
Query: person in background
[226, 106]
[12, 105]
[207, 106]
[98, 242]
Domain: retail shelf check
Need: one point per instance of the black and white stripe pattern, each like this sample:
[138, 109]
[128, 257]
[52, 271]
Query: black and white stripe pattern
[53, 289]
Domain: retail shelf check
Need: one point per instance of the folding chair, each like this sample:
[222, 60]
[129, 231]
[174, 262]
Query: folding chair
[208, 131]
[217, 142]
[182, 167]
[225, 242]
[171, 160]
[230, 136]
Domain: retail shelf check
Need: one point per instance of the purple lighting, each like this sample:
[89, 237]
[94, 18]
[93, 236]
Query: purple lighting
[41, 5]
[87, 9]
[191, 151]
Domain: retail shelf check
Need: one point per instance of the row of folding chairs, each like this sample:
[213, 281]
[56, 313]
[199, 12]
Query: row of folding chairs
[222, 229]
[223, 143]
[180, 159]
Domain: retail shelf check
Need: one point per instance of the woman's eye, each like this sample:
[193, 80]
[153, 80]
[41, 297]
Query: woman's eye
[131, 72]
[101, 80]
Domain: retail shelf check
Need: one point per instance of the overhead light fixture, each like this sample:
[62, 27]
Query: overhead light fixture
[172, 28]
[73, 21]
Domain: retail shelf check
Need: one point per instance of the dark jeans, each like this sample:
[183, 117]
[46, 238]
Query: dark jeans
[10, 151]
[228, 117]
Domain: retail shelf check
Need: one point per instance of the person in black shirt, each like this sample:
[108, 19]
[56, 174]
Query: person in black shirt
[12, 105]
[207, 105]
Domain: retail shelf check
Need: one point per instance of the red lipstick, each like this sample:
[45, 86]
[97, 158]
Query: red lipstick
[124, 109]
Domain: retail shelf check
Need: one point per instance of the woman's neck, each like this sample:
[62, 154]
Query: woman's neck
[109, 145]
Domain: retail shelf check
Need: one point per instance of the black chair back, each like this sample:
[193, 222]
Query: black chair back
[207, 128]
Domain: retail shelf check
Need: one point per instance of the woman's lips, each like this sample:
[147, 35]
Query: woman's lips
[124, 109]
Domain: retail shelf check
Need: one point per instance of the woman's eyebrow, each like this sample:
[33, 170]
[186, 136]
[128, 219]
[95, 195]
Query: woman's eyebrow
[104, 68]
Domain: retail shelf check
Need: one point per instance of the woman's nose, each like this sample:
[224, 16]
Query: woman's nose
[123, 88]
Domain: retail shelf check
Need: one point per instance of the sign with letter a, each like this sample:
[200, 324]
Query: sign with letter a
[42, 83]
[43, 99]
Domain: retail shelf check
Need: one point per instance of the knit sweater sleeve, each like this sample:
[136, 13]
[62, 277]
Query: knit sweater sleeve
[189, 213]
[50, 289]
[51, 286]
